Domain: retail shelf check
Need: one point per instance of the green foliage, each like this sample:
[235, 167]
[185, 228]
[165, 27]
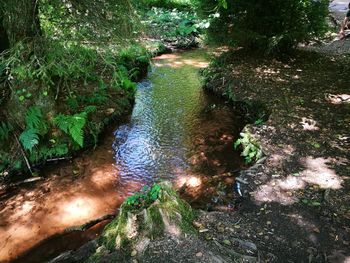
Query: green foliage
[80, 63]
[311, 202]
[35, 126]
[174, 25]
[133, 61]
[144, 198]
[44, 152]
[169, 4]
[265, 26]
[148, 220]
[29, 138]
[73, 126]
[35, 120]
[107, 20]
[251, 149]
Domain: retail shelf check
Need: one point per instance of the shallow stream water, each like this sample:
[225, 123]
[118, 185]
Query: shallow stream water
[176, 132]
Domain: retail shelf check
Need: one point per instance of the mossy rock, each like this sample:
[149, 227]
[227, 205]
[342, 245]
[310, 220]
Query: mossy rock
[137, 224]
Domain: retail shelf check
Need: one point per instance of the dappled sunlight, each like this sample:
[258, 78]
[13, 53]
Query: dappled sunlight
[194, 182]
[317, 172]
[282, 190]
[26, 207]
[188, 181]
[77, 208]
[198, 158]
[180, 63]
[269, 72]
[217, 51]
[276, 160]
[176, 61]
[31, 216]
[102, 177]
[309, 124]
[338, 98]
[196, 63]
[276, 191]
[167, 57]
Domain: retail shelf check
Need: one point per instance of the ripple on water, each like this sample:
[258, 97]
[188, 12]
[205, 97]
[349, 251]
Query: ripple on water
[172, 117]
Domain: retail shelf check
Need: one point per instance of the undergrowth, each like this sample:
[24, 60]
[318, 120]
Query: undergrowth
[56, 95]
[143, 198]
[180, 28]
[251, 148]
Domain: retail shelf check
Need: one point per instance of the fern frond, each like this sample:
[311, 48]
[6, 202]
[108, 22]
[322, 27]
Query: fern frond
[73, 126]
[29, 138]
[59, 150]
[35, 120]
[62, 122]
[76, 130]
[34, 117]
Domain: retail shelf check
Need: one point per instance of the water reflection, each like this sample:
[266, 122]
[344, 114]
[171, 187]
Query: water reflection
[175, 129]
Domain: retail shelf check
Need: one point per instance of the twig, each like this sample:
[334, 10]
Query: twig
[59, 159]
[27, 181]
[24, 155]
[58, 88]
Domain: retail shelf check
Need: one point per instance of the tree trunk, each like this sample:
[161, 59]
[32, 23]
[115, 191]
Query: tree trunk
[21, 20]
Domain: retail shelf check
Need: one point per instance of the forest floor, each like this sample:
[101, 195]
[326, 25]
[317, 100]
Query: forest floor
[299, 197]
[298, 201]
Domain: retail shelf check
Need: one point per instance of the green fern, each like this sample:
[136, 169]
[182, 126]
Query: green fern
[29, 138]
[72, 125]
[45, 152]
[35, 120]
[59, 150]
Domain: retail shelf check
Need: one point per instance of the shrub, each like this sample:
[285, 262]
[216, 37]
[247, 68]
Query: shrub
[265, 25]
[182, 28]
[251, 149]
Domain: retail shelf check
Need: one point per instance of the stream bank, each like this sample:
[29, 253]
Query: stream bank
[297, 205]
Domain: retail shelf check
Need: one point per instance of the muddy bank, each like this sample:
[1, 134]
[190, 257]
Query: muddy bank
[298, 199]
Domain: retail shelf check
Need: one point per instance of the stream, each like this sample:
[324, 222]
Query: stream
[176, 132]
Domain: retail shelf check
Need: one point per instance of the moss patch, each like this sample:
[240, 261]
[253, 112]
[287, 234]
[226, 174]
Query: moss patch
[137, 223]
